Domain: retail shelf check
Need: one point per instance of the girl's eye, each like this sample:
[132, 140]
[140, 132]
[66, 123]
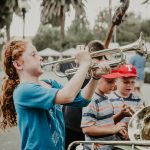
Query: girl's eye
[34, 53]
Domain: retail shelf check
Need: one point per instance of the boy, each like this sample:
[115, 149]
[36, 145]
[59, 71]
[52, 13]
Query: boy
[97, 118]
[124, 95]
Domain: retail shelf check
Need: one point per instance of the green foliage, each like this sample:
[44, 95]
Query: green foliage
[101, 25]
[145, 25]
[7, 8]
[47, 37]
[52, 10]
[6, 11]
[79, 32]
[130, 29]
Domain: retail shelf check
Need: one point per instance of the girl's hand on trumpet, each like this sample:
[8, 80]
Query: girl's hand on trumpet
[103, 68]
[83, 56]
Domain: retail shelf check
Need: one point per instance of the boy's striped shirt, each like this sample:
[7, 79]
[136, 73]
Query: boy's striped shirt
[99, 112]
[133, 101]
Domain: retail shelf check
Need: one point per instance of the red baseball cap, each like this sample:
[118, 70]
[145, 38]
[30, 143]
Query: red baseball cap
[114, 74]
[127, 70]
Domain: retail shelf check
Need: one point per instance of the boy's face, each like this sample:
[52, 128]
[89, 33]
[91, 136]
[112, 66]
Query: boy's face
[125, 86]
[106, 85]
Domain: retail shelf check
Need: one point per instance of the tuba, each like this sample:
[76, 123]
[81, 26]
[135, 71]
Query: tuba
[139, 127]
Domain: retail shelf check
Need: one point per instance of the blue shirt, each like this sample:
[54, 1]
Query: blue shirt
[40, 120]
[139, 62]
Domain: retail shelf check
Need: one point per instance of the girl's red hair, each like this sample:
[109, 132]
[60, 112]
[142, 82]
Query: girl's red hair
[11, 52]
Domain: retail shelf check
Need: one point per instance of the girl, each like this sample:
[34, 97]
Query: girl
[36, 103]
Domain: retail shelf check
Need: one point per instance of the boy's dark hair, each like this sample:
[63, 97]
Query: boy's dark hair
[140, 53]
[96, 45]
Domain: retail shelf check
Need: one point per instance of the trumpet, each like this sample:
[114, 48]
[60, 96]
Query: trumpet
[138, 45]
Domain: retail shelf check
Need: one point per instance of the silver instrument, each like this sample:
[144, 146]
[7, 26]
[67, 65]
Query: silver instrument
[138, 45]
[139, 127]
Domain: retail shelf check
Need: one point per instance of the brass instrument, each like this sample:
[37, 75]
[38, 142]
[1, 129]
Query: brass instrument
[139, 127]
[138, 45]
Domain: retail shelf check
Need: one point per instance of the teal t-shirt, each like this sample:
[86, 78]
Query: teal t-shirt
[40, 120]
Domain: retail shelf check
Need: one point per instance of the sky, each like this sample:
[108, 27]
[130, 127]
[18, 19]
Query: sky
[32, 20]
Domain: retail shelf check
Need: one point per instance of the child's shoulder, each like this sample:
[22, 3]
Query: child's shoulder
[113, 96]
[135, 97]
[53, 83]
[25, 88]
[98, 98]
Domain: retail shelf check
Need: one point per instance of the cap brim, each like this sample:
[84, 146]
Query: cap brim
[111, 75]
[128, 75]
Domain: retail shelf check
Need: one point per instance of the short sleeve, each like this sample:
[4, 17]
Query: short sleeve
[89, 114]
[54, 84]
[79, 101]
[34, 96]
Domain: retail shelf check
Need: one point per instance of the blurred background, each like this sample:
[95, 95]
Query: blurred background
[56, 26]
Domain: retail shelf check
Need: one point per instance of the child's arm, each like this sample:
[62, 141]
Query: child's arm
[89, 122]
[102, 131]
[89, 89]
[70, 90]
[125, 112]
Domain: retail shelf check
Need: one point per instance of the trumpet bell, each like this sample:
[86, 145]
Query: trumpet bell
[139, 127]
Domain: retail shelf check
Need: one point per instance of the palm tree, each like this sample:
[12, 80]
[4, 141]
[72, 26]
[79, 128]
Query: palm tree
[7, 8]
[145, 1]
[53, 11]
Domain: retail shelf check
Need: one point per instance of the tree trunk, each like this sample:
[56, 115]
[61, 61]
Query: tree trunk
[62, 18]
[8, 32]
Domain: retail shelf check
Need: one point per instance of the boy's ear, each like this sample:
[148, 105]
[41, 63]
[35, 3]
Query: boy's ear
[18, 65]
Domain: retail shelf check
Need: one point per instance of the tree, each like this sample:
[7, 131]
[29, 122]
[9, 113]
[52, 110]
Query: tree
[145, 1]
[79, 32]
[2, 37]
[7, 8]
[130, 30]
[47, 37]
[101, 24]
[53, 11]
[145, 29]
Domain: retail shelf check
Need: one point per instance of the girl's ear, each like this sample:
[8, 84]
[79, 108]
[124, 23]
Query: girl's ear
[18, 65]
